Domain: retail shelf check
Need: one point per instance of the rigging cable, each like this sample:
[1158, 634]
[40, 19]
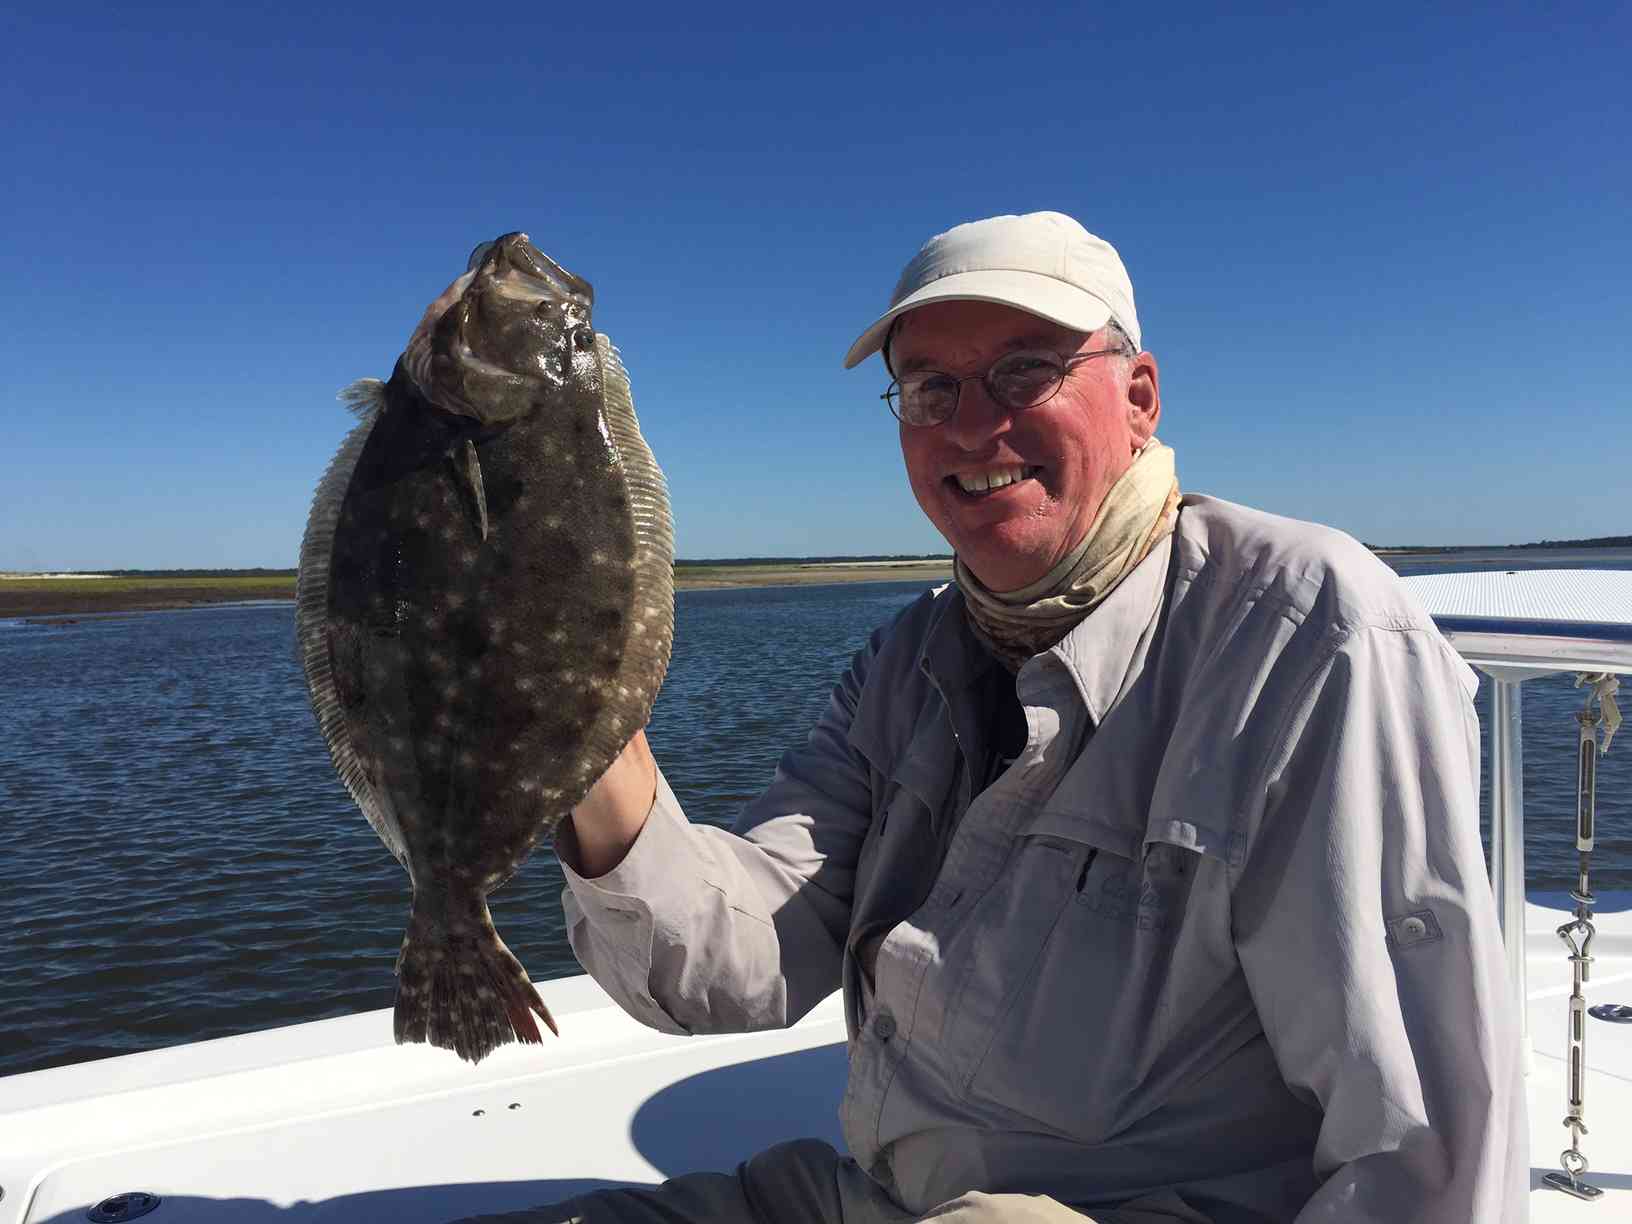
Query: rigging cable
[1578, 932]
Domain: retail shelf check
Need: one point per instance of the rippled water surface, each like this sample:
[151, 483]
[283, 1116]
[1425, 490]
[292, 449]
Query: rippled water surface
[181, 861]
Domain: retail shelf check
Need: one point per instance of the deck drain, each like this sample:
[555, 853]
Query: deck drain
[1617, 1013]
[132, 1205]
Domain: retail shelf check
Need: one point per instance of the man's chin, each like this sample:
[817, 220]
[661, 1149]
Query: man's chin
[1002, 568]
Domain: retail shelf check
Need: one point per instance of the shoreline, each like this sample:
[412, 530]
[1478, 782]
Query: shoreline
[56, 601]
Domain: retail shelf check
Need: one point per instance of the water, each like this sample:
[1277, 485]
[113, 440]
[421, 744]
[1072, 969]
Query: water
[182, 863]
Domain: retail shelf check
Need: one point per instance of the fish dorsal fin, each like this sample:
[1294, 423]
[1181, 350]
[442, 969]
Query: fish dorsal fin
[646, 654]
[366, 398]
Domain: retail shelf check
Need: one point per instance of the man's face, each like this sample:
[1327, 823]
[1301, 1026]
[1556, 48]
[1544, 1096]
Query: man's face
[1071, 450]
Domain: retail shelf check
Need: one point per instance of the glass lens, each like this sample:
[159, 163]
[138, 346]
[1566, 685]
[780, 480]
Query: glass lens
[1021, 380]
[927, 398]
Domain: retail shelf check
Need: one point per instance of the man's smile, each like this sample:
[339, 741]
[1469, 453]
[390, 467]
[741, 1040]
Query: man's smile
[977, 484]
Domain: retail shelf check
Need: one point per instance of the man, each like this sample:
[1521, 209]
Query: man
[1147, 854]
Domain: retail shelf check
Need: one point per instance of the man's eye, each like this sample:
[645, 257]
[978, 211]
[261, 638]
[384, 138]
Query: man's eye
[1027, 366]
[936, 384]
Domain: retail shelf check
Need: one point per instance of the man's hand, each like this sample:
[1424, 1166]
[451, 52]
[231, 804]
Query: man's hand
[614, 812]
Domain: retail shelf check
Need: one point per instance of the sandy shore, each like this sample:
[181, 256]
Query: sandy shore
[56, 598]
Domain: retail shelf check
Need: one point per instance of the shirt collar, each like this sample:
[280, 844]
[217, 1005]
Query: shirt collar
[952, 657]
[1097, 654]
[1100, 651]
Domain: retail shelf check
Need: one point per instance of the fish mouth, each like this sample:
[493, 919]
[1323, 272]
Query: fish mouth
[511, 330]
[519, 271]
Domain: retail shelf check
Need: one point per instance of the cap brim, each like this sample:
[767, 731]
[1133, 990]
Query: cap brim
[1044, 296]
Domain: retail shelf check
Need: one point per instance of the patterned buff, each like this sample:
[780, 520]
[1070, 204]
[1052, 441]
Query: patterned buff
[1138, 512]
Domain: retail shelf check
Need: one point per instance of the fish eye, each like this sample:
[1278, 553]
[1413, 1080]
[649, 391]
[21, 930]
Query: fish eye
[583, 338]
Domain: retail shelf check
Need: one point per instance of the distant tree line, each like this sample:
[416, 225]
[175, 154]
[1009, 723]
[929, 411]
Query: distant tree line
[1596, 542]
[1622, 541]
[261, 572]
[258, 572]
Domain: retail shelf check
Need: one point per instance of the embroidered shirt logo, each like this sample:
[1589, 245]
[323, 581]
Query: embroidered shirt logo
[1128, 895]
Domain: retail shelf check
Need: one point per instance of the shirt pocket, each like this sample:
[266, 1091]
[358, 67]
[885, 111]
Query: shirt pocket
[1079, 1002]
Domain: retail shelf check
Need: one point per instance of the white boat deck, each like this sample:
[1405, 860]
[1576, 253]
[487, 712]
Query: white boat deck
[332, 1121]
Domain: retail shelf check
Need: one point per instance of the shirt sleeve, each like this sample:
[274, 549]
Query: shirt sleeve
[701, 930]
[1368, 936]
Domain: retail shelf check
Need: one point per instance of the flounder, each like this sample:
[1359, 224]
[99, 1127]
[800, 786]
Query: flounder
[485, 608]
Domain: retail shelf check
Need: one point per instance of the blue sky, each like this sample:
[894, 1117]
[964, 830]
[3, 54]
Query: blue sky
[1381, 253]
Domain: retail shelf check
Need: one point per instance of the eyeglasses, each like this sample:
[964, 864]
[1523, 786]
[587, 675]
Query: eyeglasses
[1015, 381]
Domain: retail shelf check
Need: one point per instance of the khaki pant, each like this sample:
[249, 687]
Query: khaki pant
[807, 1182]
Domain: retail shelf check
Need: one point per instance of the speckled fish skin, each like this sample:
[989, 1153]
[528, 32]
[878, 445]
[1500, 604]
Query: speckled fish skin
[485, 611]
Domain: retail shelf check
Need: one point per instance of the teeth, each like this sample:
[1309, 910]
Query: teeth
[980, 482]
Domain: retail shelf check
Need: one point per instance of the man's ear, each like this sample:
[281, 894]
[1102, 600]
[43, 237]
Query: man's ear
[1144, 397]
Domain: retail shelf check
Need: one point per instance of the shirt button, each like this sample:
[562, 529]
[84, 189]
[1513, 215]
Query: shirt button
[883, 1026]
[1413, 927]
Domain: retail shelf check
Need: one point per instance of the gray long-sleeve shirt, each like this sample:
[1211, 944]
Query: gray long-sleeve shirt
[1223, 927]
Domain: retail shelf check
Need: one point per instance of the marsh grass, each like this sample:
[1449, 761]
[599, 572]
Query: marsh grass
[65, 597]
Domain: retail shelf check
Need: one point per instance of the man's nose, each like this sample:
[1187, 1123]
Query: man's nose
[978, 418]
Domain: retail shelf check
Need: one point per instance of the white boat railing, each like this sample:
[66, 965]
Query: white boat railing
[1514, 626]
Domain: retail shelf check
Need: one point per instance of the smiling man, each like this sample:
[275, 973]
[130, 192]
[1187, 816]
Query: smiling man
[1146, 854]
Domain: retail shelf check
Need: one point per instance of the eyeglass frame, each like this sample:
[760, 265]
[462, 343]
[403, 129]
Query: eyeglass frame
[1067, 364]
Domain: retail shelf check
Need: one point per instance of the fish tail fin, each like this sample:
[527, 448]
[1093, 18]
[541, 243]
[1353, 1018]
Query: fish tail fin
[460, 988]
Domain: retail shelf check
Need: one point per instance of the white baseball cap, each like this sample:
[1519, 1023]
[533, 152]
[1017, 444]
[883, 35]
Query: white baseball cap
[1042, 262]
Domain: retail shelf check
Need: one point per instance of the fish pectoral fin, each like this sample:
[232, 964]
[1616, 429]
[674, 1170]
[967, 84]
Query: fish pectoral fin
[468, 468]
